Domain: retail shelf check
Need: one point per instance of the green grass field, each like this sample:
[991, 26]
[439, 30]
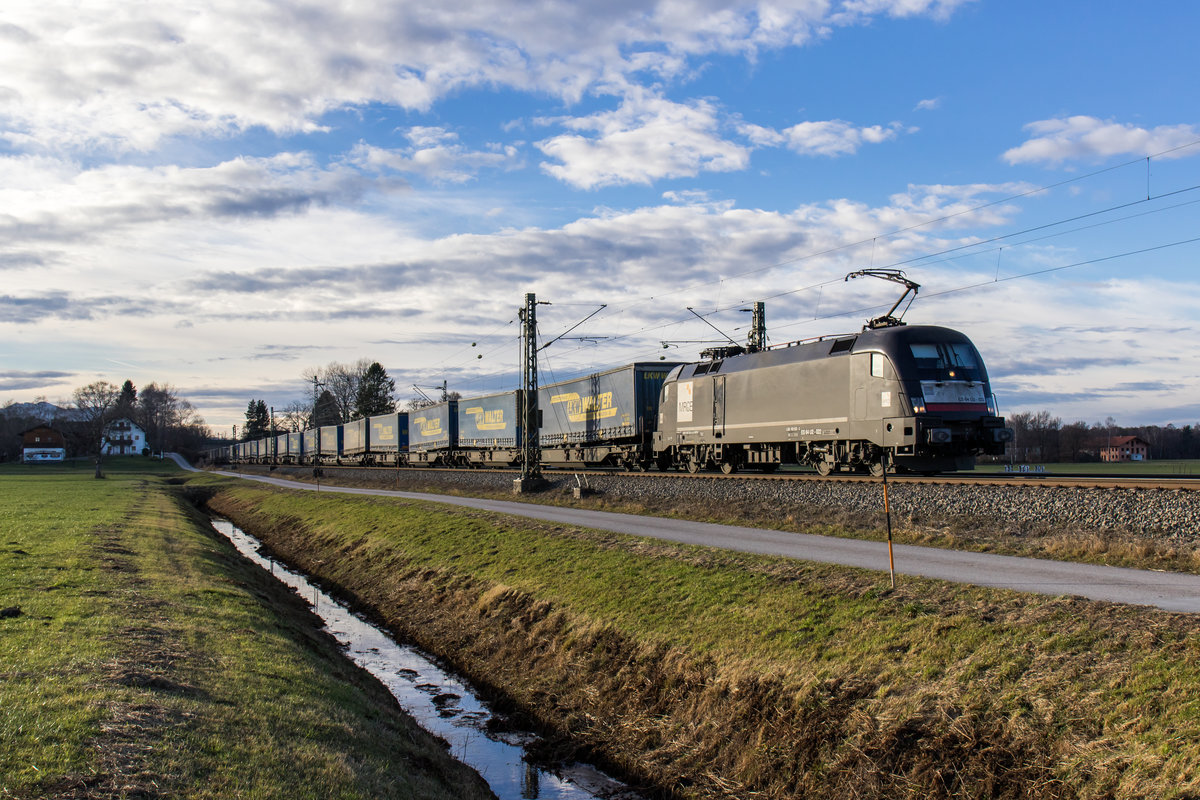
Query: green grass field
[141, 656]
[1147, 468]
[1046, 697]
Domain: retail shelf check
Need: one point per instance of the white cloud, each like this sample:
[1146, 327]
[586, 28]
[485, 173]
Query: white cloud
[436, 155]
[929, 104]
[1080, 137]
[647, 138]
[835, 137]
[110, 75]
[57, 201]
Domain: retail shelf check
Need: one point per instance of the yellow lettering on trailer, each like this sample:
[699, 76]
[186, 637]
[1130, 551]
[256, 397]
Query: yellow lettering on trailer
[587, 408]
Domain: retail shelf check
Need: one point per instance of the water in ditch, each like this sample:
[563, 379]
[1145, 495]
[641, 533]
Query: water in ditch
[440, 702]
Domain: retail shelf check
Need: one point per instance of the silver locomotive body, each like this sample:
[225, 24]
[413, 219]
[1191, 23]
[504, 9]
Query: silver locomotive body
[919, 394]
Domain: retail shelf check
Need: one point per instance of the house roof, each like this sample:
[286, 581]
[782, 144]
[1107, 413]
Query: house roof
[1122, 441]
[39, 426]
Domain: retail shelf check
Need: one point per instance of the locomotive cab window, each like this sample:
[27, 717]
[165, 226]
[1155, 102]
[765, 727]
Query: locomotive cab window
[947, 360]
[876, 365]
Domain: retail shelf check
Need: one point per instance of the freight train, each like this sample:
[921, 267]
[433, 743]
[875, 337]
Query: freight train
[915, 398]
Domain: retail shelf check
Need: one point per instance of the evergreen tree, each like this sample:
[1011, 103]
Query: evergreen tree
[375, 392]
[126, 401]
[326, 411]
[258, 421]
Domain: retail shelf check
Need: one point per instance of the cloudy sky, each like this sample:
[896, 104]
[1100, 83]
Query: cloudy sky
[218, 195]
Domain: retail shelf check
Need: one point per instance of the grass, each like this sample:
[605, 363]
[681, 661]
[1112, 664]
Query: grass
[853, 684]
[1152, 468]
[147, 659]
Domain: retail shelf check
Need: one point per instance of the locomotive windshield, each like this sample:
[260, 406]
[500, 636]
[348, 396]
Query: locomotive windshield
[947, 360]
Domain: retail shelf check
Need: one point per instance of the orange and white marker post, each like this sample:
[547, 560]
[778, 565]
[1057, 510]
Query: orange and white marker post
[887, 513]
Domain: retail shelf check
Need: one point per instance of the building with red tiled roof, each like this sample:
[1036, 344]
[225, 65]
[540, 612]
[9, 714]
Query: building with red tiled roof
[1125, 448]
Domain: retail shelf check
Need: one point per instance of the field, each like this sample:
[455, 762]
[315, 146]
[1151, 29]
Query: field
[141, 657]
[1147, 468]
[722, 675]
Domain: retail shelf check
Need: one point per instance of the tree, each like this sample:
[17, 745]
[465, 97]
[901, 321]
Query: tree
[170, 422]
[126, 402]
[342, 382]
[327, 411]
[297, 416]
[1076, 441]
[375, 392]
[95, 403]
[258, 421]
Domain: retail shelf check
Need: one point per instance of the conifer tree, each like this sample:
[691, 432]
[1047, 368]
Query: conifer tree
[258, 421]
[375, 393]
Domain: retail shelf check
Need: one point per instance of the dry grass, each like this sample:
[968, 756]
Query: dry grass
[714, 674]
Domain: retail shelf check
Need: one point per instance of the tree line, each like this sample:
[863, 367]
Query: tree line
[1041, 436]
[171, 422]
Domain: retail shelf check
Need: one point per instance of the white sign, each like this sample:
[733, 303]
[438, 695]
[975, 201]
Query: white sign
[683, 411]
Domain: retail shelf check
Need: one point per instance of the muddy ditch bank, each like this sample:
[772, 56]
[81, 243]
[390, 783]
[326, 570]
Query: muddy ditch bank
[665, 717]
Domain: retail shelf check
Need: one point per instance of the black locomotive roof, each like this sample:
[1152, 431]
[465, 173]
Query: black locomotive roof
[893, 342]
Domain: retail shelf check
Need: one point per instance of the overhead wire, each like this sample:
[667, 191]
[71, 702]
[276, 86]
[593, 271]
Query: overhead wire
[619, 309]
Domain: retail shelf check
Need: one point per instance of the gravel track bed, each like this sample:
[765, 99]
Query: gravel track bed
[1172, 513]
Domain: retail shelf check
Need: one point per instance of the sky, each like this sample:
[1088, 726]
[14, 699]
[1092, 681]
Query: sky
[222, 195]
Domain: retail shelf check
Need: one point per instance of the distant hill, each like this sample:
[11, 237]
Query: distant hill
[42, 411]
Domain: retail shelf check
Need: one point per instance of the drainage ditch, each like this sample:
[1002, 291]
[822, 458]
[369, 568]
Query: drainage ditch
[440, 702]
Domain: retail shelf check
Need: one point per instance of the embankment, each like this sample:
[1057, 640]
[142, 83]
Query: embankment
[712, 674]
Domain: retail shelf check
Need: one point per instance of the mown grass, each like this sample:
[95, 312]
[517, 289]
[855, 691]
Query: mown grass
[1107, 696]
[148, 659]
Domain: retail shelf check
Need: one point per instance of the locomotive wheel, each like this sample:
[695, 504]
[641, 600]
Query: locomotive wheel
[876, 469]
[824, 468]
[728, 467]
[693, 466]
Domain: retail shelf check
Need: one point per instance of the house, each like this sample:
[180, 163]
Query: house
[1125, 448]
[124, 437]
[42, 444]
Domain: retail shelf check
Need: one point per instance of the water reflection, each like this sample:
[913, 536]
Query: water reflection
[441, 703]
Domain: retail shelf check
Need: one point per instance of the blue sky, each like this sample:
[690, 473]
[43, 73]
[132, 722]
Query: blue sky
[221, 195]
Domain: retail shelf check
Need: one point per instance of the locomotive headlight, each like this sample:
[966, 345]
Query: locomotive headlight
[918, 404]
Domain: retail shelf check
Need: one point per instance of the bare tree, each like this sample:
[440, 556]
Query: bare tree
[342, 381]
[95, 403]
[296, 416]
